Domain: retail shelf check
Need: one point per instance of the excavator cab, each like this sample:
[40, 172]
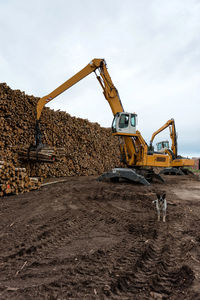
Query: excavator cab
[124, 123]
[162, 146]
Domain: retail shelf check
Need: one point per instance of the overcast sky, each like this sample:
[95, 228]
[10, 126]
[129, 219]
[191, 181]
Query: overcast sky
[152, 50]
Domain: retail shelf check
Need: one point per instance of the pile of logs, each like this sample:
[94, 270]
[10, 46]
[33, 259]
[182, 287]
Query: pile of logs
[79, 146]
[15, 180]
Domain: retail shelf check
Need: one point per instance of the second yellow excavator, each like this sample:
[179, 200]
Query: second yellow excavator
[134, 150]
[163, 147]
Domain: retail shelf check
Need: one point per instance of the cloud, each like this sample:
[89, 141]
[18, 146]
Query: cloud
[152, 49]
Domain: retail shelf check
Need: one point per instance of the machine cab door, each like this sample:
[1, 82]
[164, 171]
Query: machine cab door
[124, 123]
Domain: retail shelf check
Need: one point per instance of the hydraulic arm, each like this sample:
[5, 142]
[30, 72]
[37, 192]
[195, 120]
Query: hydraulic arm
[111, 94]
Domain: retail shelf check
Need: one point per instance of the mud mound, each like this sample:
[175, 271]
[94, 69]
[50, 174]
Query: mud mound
[89, 149]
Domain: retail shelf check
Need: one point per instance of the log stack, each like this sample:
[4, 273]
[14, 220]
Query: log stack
[80, 147]
[15, 180]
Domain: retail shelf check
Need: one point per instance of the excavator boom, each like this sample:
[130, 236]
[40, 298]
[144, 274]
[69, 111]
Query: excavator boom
[109, 90]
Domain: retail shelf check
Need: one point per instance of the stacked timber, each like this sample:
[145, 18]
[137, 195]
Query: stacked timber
[79, 146]
[15, 180]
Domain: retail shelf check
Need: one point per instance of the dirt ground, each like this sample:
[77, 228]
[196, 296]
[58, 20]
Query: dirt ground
[84, 239]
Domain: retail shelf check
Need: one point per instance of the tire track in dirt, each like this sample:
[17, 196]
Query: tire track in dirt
[59, 234]
[55, 232]
[156, 269]
[123, 250]
[99, 242]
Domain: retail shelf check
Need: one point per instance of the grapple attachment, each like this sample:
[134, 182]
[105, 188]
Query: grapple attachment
[39, 151]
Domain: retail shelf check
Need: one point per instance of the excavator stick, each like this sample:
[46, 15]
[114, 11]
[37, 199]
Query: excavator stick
[38, 136]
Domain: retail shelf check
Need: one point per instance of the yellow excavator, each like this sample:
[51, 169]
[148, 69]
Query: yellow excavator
[163, 147]
[134, 150]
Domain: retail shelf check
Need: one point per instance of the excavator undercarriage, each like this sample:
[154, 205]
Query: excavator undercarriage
[176, 171]
[143, 176]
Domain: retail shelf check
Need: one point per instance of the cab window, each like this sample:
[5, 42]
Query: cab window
[165, 145]
[159, 146]
[114, 124]
[133, 120]
[123, 121]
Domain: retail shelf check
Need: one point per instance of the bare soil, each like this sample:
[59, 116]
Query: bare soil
[84, 239]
